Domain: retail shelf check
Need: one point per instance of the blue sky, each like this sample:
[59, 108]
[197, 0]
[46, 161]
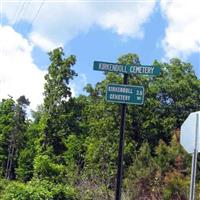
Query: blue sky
[91, 30]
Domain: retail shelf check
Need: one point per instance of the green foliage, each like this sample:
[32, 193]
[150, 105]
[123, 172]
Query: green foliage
[69, 150]
[129, 59]
[143, 179]
[46, 168]
[169, 98]
[6, 128]
[3, 185]
[169, 157]
[176, 186]
[38, 189]
[57, 80]
[13, 126]
[24, 171]
[57, 93]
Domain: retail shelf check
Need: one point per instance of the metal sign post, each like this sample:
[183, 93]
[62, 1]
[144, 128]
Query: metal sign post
[194, 161]
[121, 147]
[124, 94]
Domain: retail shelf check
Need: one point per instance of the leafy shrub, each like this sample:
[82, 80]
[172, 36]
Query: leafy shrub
[38, 190]
[176, 186]
[44, 167]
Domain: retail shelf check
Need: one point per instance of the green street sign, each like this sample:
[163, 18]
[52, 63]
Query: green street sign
[127, 94]
[126, 69]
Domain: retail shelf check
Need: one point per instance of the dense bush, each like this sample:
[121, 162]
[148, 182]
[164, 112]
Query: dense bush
[68, 151]
[38, 189]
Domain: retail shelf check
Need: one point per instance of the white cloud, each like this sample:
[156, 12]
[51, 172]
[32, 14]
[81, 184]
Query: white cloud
[182, 36]
[78, 84]
[127, 19]
[61, 22]
[43, 42]
[18, 73]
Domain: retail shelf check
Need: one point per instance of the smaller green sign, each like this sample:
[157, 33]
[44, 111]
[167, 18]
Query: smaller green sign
[127, 94]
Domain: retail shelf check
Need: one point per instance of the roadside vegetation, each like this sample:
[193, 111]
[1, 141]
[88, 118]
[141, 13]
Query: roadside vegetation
[68, 151]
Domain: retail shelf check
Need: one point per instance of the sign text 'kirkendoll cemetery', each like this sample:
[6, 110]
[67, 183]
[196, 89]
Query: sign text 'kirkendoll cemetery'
[126, 69]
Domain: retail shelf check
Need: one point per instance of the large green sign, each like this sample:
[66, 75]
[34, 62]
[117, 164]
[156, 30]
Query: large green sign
[126, 69]
[127, 94]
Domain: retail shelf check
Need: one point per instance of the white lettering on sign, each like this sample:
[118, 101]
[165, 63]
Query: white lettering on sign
[139, 98]
[112, 67]
[139, 92]
[120, 89]
[141, 70]
[119, 97]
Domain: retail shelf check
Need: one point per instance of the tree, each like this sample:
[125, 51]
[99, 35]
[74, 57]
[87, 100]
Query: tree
[143, 179]
[169, 98]
[6, 128]
[13, 124]
[57, 93]
[16, 138]
[69, 150]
